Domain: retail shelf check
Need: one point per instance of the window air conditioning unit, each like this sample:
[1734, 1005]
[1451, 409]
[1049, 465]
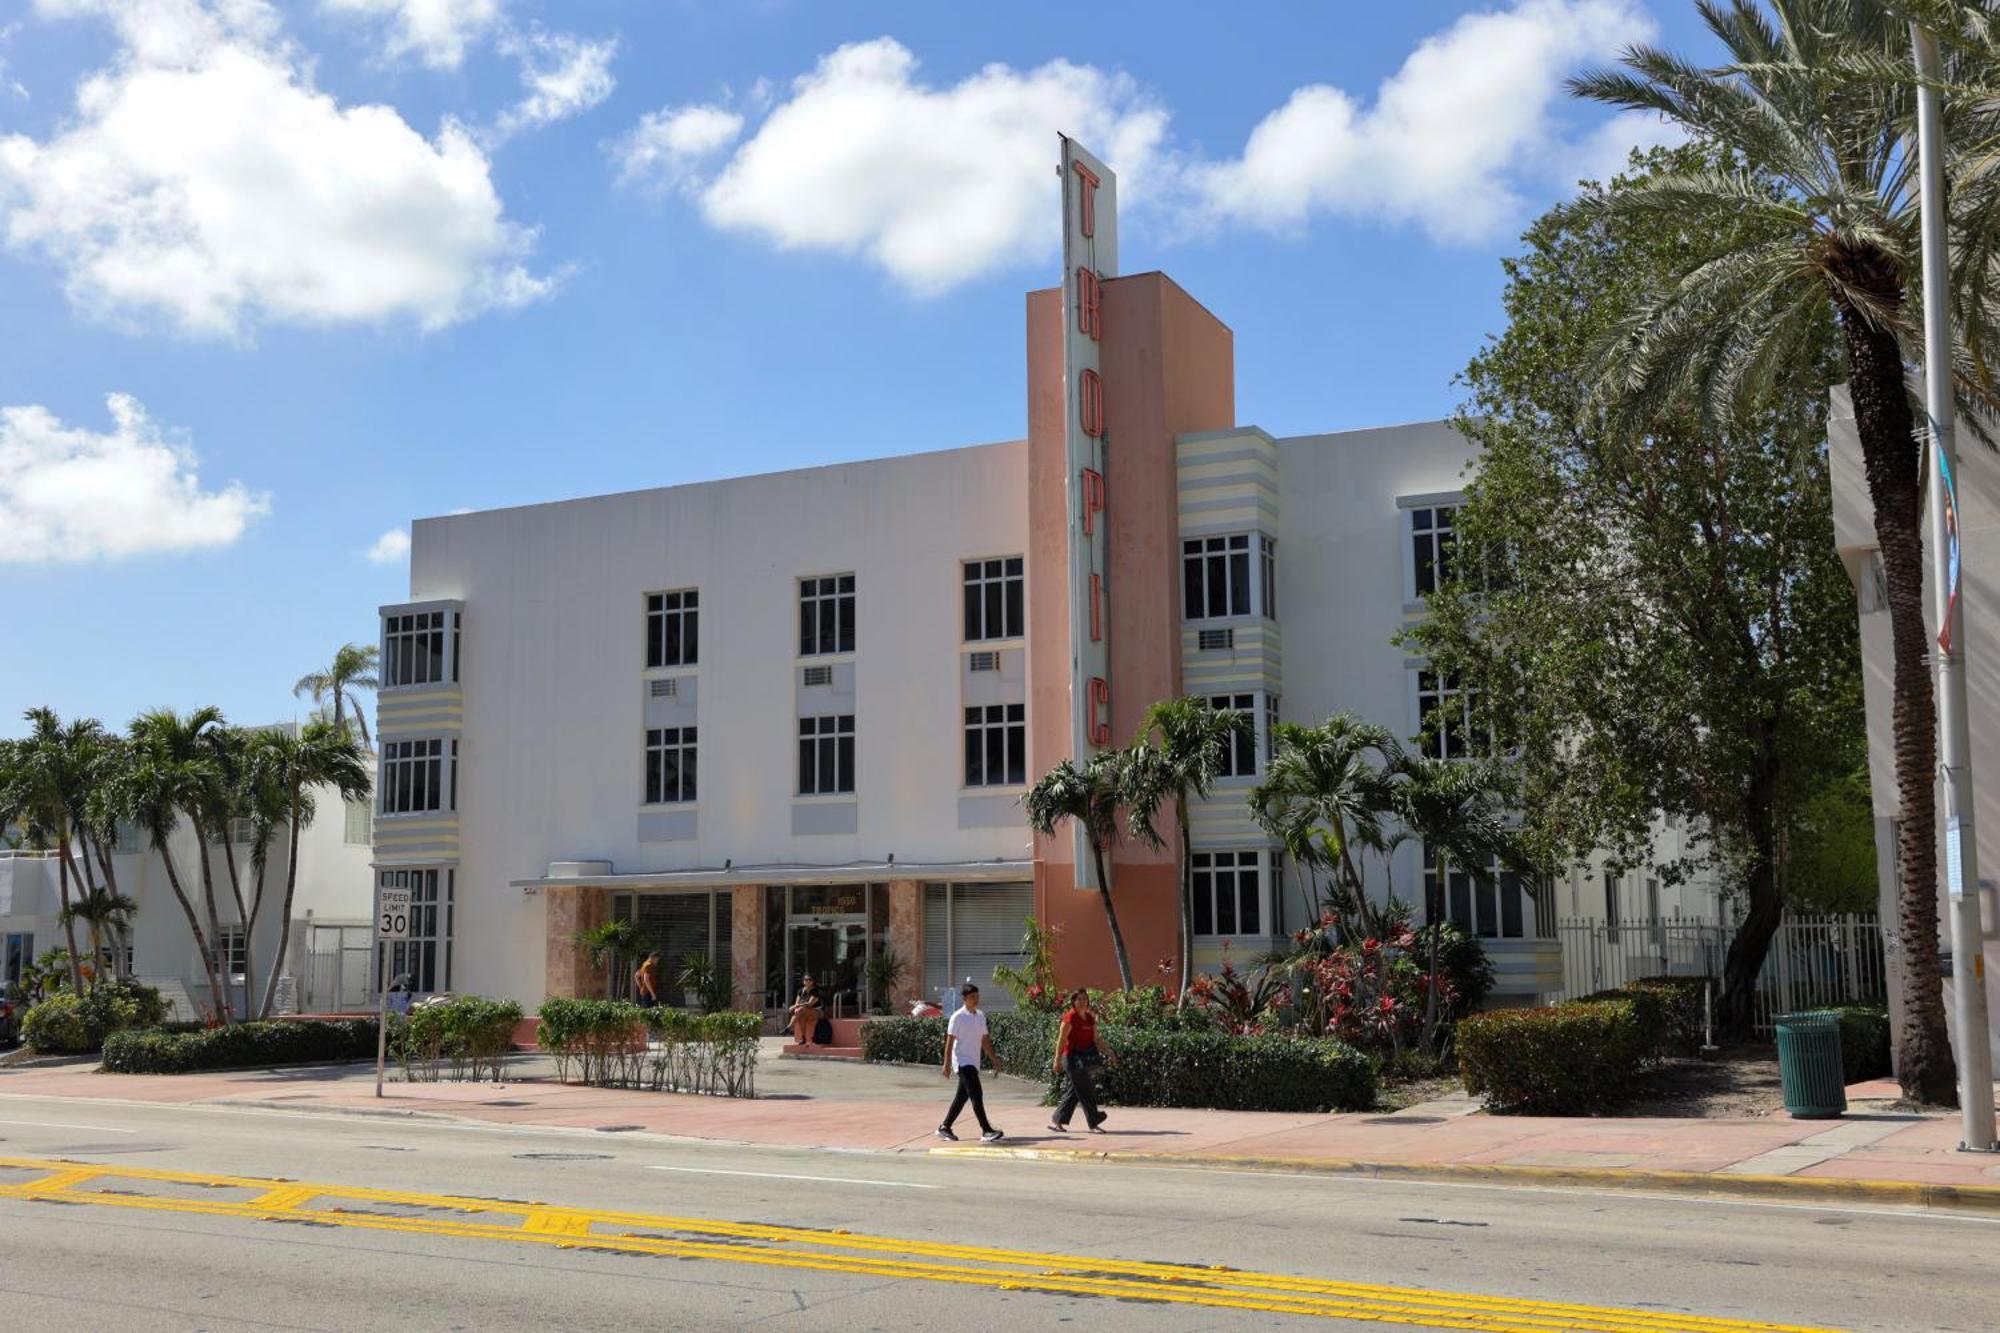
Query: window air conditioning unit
[985, 661]
[1216, 640]
[819, 675]
[666, 689]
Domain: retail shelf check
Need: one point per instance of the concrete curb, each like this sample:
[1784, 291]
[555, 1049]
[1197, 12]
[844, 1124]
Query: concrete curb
[1817, 1189]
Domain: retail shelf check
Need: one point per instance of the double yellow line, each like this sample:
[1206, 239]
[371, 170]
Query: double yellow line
[834, 1251]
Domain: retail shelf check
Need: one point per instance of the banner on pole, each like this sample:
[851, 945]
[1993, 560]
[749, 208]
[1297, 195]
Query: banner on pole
[1950, 490]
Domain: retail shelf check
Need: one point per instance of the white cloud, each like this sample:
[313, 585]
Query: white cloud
[72, 494]
[391, 548]
[1445, 140]
[933, 184]
[667, 146]
[437, 32]
[204, 179]
[564, 76]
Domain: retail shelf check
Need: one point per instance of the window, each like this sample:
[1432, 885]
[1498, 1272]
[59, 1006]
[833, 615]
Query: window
[1215, 575]
[1228, 898]
[413, 648]
[1432, 543]
[1446, 711]
[1493, 909]
[1239, 757]
[131, 839]
[242, 831]
[996, 745]
[359, 827]
[414, 779]
[1874, 584]
[1611, 903]
[1270, 727]
[826, 754]
[20, 951]
[230, 947]
[673, 630]
[993, 599]
[826, 615]
[425, 957]
[670, 765]
[1267, 574]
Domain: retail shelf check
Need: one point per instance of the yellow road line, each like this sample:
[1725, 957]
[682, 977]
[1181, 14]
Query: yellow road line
[842, 1252]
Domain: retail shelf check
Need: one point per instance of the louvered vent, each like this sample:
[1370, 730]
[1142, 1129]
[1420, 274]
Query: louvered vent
[666, 689]
[1217, 640]
[819, 675]
[985, 661]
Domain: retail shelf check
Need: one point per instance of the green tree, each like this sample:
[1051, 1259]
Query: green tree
[170, 779]
[1647, 607]
[1812, 205]
[1323, 797]
[289, 769]
[105, 914]
[1089, 795]
[44, 792]
[1177, 757]
[353, 668]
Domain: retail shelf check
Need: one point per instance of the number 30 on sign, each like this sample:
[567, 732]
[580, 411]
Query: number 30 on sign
[392, 915]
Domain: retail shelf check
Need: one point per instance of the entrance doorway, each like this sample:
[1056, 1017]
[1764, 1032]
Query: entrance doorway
[830, 931]
[834, 949]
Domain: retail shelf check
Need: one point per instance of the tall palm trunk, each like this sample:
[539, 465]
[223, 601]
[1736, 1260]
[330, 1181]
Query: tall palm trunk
[214, 921]
[90, 895]
[68, 921]
[1187, 898]
[104, 867]
[242, 914]
[1891, 458]
[1111, 916]
[285, 915]
[201, 942]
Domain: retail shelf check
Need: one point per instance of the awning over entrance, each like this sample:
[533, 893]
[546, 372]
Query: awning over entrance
[858, 872]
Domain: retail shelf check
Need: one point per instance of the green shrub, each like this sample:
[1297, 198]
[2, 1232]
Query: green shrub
[1649, 1014]
[1685, 1010]
[1864, 1042]
[591, 1039]
[68, 1024]
[240, 1046]
[1147, 1007]
[467, 1036]
[608, 1043]
[1566, 1059]
[1461, 960]
[1159, 1066]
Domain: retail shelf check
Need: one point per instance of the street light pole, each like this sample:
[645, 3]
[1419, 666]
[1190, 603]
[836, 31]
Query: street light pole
[1968, 972]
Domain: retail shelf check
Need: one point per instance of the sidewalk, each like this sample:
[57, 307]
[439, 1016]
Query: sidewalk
[1900, 1158]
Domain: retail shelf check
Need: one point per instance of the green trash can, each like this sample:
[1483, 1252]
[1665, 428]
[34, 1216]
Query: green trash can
[1809, 1064]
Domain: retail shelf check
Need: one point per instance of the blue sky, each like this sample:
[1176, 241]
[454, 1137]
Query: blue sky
[346, 262]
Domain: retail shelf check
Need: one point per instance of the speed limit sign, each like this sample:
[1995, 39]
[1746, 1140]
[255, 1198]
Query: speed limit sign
[392, 915]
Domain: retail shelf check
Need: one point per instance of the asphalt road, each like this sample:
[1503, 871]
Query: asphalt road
[612, 1231]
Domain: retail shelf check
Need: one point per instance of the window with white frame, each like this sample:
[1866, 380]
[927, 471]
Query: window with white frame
[131, 839]
[826, 615]
[1267, 575]
[1228, 893]
[1447, 714]
[1496, 905]
[826, 755]
[19, 953]
[996, 745]
[1270, 727]
[673, 628]
[1433, 544]
[670, 765]
[424, 959]
[413, 648]
[231, 950]
[994, 599]
[1239, 756]
[358, 828]
[1215, 577]
[415, 779]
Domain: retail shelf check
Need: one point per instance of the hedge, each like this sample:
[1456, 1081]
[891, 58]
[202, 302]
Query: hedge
[239, 1046]
[468, 1037]
[70, 1024]
[1159, 1066]
[614, 1044]
[1565, 1059]
[1686, 1010]
[1864, 1042]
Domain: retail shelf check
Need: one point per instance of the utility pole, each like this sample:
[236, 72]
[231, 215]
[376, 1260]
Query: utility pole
[1968, 971]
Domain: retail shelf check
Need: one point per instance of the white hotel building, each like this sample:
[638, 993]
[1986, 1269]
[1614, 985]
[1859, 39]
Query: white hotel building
[786, 720]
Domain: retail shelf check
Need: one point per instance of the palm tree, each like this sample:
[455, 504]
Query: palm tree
[1089, 795]
[45, 794]
[1820, 211]
[353, 668]
[105, 913]
[323, 754]
[1324, 792]
[169, 778]
[1183, 763]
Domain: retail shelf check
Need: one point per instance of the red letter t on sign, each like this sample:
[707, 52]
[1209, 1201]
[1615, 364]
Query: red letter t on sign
[1089, 179]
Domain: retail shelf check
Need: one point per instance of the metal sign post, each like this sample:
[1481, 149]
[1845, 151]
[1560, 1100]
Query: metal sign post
[392, 923]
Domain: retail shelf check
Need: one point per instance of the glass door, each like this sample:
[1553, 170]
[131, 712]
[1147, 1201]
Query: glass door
[834, 950]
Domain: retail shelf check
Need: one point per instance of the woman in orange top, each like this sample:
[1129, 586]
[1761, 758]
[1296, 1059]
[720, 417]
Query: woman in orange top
[646, 981]
[1077, 1049]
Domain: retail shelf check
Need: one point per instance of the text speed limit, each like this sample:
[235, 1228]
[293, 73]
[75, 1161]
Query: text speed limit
[392, 915]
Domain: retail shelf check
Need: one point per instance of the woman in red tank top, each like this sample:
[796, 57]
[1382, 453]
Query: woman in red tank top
[1076, 1051]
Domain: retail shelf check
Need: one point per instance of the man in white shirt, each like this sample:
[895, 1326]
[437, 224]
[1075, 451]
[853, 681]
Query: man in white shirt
[965, 1040]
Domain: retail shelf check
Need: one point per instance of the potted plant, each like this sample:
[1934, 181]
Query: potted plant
[696, 977]
[885, 972]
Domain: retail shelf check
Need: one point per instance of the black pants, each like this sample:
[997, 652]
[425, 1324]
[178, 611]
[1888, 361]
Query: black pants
[968, 1091]
[1081, 1091]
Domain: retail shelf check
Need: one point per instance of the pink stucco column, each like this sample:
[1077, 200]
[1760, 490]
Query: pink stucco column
[746, 945]
[567, 910]
[906, 938]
